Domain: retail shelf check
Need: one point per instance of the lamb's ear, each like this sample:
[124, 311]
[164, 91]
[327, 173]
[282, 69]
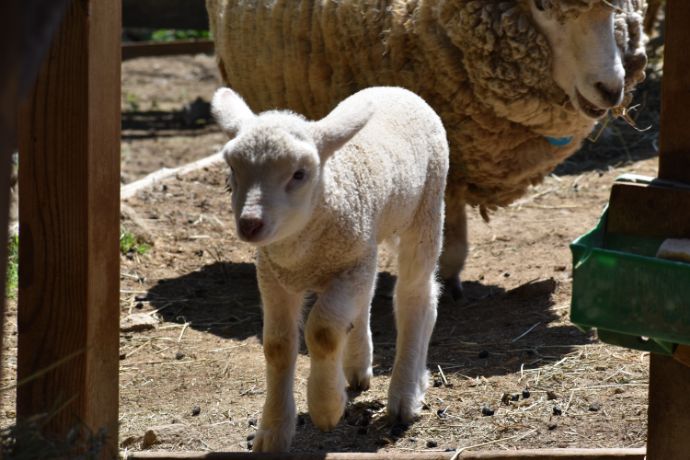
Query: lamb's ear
[230, 110]
[339, 126]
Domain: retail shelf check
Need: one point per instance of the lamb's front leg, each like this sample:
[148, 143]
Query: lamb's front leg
[332, 318]
[281, 310]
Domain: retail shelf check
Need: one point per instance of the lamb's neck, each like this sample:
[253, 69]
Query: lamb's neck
[292, 251]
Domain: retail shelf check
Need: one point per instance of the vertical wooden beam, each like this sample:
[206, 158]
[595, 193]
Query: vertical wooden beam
[69, 178]
[669, 409]
[669, 386]
[674, 130]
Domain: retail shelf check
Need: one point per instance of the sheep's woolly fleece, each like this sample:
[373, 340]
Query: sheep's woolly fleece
[481, 64]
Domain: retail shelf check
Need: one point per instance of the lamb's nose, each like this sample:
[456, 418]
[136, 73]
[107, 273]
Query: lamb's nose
[612, 95]
[250, 227]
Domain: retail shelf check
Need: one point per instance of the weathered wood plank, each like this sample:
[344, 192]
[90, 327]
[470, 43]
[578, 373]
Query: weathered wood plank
[143, 49]
[652, 211]
[165, 14]
[669, 409]
[536, 454]
[669, 400]
[682, 354]
[69, 219]
[674, 139]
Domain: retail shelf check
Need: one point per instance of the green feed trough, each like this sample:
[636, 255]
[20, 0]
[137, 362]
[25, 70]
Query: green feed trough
[631, 297]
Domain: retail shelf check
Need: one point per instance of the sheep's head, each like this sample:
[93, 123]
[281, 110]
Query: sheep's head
[276, 163]
[597, 48]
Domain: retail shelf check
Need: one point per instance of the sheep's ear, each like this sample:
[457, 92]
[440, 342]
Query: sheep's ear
[230, 110]
[339, 126]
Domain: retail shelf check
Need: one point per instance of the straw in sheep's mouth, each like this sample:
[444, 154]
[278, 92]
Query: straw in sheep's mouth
[588, 108]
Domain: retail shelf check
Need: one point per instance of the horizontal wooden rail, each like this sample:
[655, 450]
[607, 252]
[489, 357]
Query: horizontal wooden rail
[143, 49]
[536, 454]
[165, 14]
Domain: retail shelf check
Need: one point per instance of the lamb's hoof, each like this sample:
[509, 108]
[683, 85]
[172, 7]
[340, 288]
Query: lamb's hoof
[276, 439]
[403, 409]
[358, 381]
[325, 415]
[453, 287]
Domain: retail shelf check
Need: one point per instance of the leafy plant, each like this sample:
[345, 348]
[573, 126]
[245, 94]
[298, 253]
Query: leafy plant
[129, 244]
[132, 101]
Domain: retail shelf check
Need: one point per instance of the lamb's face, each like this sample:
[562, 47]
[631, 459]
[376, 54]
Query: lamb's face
[274, 175]
[588, 63]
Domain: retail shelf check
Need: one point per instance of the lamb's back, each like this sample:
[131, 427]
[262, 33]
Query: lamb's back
[382, 174]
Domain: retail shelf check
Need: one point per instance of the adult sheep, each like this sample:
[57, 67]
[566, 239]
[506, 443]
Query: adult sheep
[518, 83]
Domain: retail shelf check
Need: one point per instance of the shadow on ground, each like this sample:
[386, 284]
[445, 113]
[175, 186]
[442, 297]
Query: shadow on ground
[481, 337]
[195, 116]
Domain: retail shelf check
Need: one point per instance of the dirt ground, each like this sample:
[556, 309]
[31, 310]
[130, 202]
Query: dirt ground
[196, 379]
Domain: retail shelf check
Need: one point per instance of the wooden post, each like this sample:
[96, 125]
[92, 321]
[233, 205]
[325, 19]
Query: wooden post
[669, 386]
[662, 209]
[674, 129]
[69, 178]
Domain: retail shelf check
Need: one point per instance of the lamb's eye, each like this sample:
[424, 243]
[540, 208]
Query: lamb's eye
[299, 175]
[539, 4]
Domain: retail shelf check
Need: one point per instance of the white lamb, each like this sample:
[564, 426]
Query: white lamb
[316, 198]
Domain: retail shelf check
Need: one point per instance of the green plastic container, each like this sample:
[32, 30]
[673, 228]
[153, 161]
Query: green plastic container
[632, 298]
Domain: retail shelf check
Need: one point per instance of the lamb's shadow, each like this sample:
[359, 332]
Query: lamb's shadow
[220, 298]
[483, 336]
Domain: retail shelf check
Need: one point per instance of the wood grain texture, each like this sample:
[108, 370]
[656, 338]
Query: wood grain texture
[674, 138]
[528, 454]
[649, 210]
[669, 409]
[69, 219]
[669, 399]
[142, 49]
[682, 355]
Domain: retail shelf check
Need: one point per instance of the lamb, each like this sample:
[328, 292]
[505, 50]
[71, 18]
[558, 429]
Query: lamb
[518, 83]
[316, 198]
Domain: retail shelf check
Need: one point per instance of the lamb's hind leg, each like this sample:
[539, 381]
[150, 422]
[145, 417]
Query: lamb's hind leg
[416, 298]
[359, 347]
[455, 246]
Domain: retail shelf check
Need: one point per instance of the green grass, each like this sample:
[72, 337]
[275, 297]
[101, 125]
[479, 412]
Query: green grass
[132, 101]
[168, 35]
[130, 244]
[12, 266]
